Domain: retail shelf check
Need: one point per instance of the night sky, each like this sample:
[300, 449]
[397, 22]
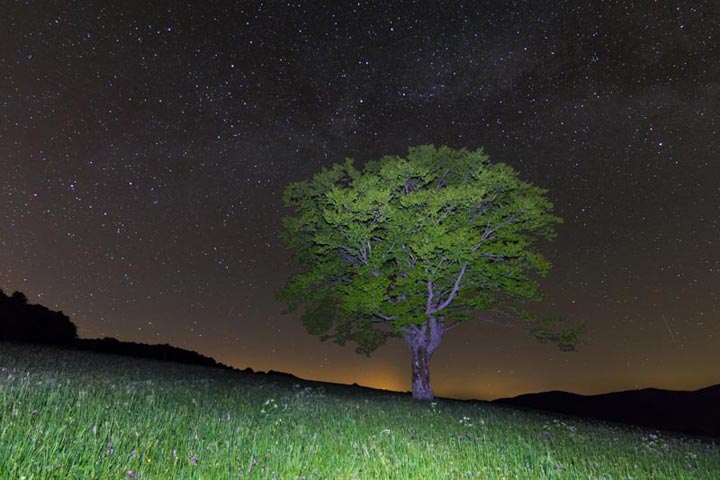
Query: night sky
[145, 146]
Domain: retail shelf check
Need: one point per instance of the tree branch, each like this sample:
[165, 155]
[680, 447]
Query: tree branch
[441, 181]
[436, 331]
[481, 211]
[353, 255]
[407, 186]
[428, 308]
[383, 318]
[452, 325]
[496, 322]
[454, 291]
[363, 255]
[489, 231]
[389, 250]
[495, 256]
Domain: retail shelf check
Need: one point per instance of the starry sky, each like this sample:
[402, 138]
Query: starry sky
[145, 146]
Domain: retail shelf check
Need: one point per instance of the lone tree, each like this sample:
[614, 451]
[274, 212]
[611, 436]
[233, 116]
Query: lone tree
[413, 246]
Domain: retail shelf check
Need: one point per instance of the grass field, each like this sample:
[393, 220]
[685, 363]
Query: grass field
[76, 415]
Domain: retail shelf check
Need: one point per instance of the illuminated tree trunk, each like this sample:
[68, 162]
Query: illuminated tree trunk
[421, 389]
[423, 340]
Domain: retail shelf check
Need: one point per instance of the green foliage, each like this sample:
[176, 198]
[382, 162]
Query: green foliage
[76, 415]
[371, 244]
[554, 329]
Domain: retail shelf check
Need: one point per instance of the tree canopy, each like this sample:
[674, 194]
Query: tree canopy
[24, 322]
[414, 245]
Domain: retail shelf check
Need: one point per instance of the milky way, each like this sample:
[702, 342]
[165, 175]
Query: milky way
[144, 150]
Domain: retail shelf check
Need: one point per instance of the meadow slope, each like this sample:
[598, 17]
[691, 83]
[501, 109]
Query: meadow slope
[82, 415]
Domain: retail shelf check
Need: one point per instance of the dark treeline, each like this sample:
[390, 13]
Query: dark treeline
[24, 322]
[133, 349]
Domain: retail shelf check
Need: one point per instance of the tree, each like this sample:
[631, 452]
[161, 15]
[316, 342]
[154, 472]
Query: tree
[23, 322]
[413, 246]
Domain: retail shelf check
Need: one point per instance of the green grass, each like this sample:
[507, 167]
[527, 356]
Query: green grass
[77, 415]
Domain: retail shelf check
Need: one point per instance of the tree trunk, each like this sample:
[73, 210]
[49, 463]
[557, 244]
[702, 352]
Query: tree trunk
[421, 389]
[423, 340]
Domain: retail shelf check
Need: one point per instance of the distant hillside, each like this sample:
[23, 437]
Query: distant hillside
[157, 352]
[694, 413]
[21, 321]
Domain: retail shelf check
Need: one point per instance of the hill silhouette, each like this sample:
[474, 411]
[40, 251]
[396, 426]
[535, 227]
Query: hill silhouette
[157, 352]
[23, 322]
[27, 323]
[691, 412]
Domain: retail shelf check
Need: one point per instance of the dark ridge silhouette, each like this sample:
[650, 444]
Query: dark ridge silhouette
[26, 323]
[693, 413]
[157, 352]
[23, 322]
[336, 389]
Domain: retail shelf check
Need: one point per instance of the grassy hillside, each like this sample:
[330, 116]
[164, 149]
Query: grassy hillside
[80, 415]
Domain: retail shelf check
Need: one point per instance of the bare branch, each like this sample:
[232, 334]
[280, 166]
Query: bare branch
[490, 231]
[452, 325]
[440, 293]
[363, 254]
[453, 293]
[383, 318]
[407, 186]
[353, 255]
[428, 308]
[443, 261]
[349, 258]
[441, 181]
[412, 260]
[485, 319]
[481, 211]
[495, 256]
